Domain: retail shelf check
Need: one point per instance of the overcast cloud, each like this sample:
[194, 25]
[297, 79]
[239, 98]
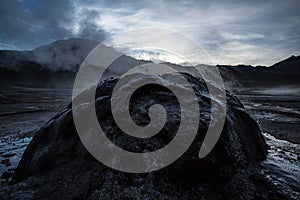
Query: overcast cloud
[254, 32]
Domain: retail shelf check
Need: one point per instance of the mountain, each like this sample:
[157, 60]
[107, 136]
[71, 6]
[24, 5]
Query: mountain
[289, 65]
[54, 63]
[59, 61]
[62, 55]
[285, 72]
[49, 64]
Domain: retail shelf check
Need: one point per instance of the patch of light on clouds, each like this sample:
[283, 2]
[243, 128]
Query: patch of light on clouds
[170, 46]
[156, 56]
[257, 33]
[194, 23]
[232, 33]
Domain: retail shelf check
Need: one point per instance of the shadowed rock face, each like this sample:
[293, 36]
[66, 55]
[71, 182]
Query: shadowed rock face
[57, 157]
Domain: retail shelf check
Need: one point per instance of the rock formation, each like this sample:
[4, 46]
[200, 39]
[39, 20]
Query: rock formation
[56, 164]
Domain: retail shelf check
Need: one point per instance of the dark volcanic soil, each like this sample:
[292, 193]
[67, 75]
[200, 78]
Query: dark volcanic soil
[276, 115]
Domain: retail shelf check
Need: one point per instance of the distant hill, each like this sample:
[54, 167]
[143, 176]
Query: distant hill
[62, 55]
[286, 72]
[289, 65]
[58, 62]
[53, 64]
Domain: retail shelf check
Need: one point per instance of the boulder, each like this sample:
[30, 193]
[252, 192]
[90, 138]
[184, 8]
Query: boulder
[57, 160]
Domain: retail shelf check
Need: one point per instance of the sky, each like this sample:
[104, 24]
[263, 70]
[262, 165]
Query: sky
[233, 32]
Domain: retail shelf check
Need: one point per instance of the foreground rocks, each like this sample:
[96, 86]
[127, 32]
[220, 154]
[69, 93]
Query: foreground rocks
[56, 164]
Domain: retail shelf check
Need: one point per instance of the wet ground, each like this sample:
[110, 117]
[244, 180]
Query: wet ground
[277, 115]
[23, 110]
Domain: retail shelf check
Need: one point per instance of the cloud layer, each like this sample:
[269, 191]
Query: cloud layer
[28, 24]
[254, 32]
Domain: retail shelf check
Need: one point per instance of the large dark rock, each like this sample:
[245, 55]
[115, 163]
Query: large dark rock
[56, 164]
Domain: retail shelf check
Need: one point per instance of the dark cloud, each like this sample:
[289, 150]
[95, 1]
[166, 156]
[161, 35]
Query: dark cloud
[249, 32]
[88, 28]
[28, 24]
